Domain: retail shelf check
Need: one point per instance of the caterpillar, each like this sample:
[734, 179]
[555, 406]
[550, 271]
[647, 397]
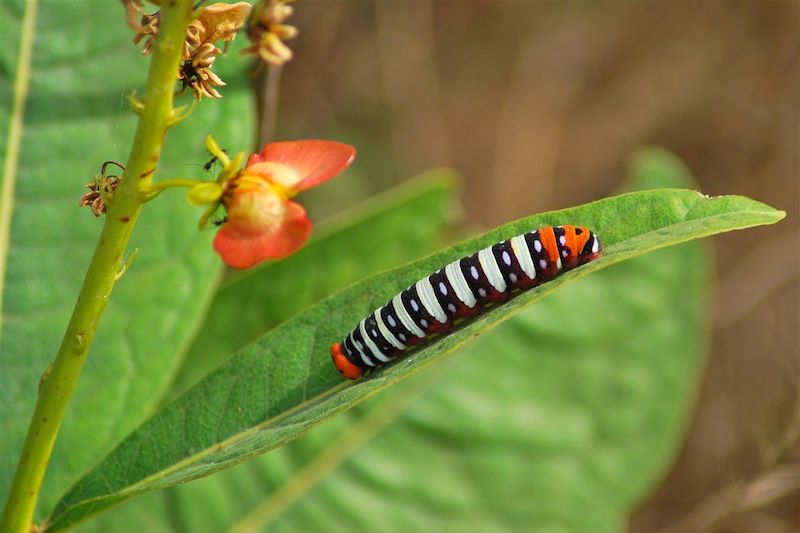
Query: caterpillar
[460, 290]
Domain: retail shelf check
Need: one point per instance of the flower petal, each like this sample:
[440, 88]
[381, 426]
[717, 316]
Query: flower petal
[222, 20]
[245, 249]
[313, 161]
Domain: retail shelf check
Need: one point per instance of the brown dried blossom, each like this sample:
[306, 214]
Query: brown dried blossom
[196, 72]
[100, 189]
[133, 9]
[217, 22]
[144, 24]
[267, 32]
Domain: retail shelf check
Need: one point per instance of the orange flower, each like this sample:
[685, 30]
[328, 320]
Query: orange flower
[262, 220]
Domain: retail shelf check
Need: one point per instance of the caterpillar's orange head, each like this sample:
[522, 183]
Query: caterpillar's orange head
[343, 364]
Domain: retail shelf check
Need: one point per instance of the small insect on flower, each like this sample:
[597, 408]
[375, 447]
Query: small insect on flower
[262, 222]
[208, 165]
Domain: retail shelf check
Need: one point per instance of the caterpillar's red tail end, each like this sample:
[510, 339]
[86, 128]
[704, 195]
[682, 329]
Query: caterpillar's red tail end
[343, 364]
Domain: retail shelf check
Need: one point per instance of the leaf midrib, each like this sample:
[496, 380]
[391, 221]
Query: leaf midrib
[11, 163]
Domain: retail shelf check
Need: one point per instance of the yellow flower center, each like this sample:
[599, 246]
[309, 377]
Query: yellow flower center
[259, 197]
[256, 207]
[282, 177]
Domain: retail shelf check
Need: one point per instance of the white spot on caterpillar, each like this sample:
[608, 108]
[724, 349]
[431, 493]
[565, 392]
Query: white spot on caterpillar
[429, 301]
[520, 248]
[459, 284]
[360, 348]
[386, 333]
[405, 318]
[376, 352]
[492, 271]
[537, 245]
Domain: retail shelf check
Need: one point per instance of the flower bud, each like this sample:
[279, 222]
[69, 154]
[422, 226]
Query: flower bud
[205, 193]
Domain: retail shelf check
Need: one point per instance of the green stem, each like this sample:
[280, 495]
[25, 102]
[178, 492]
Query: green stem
[57, 386]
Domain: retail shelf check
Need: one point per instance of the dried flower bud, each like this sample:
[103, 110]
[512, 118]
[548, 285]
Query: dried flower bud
[221, 22]
[284, 31]
[267, 32]
[214, 23]
[100, 190]
[133, 10]
[217, 22]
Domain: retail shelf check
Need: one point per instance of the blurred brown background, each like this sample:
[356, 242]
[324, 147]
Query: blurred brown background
[552, 97]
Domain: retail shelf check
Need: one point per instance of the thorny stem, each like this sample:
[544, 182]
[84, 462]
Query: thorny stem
[56, 388]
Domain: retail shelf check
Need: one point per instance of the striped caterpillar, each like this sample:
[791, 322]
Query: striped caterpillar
[462, 289]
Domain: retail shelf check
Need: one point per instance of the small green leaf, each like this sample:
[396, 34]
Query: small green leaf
[374, 236]
[279, 387]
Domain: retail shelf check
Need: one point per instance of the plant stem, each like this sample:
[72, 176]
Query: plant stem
[57, 386]
[269, 116]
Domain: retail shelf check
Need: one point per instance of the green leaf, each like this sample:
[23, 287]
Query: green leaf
[571, 405]
[577, 403]
[279, 387]
[374, 236]
[75, 117]
[599, 357]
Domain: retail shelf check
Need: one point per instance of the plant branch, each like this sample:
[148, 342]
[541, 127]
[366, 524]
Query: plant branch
[57, 386]
[270, 95]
